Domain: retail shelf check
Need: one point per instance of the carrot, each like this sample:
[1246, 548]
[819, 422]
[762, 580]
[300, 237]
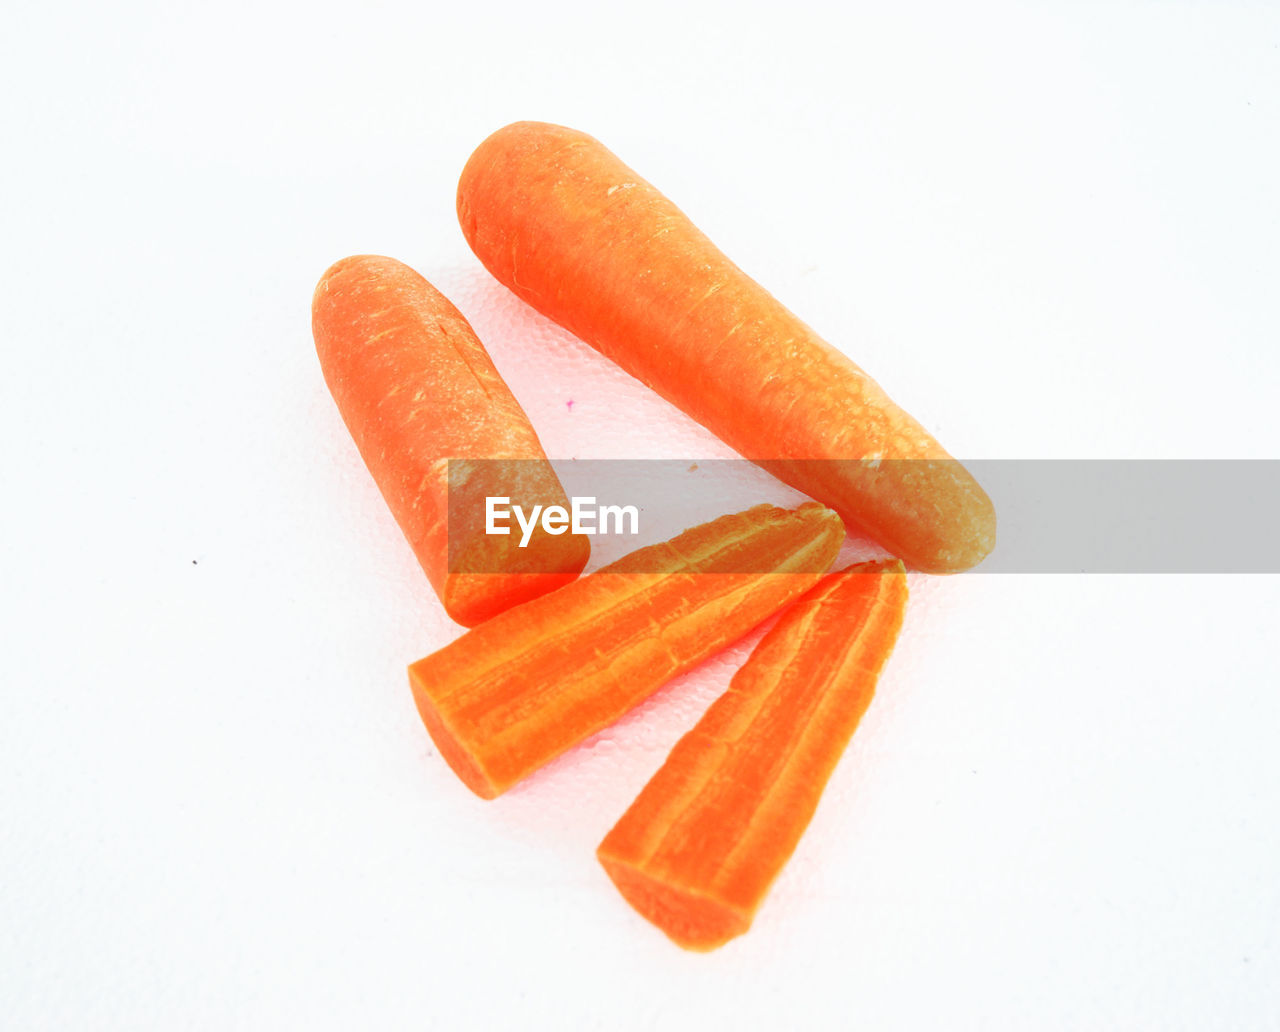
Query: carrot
[579, 236]
[511, 695]
[700, 846]
[417, 389]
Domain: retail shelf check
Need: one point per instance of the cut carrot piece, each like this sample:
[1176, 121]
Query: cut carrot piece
[578, 235]
[417, 389]
[513, 694]
[698, 849]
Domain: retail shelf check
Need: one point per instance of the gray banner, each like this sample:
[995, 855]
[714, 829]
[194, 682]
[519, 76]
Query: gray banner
[1054, 516]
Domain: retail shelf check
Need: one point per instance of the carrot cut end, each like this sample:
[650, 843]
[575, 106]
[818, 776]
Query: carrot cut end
[451, 748]
[692, 920]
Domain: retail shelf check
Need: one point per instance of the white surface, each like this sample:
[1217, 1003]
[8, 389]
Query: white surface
[1048, 232]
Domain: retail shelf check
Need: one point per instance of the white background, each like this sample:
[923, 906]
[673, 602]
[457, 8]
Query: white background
[1048, 230]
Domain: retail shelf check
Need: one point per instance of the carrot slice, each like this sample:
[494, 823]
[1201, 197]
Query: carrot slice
[582, 238]
[515, 693]
[416, 389]
[700, 846]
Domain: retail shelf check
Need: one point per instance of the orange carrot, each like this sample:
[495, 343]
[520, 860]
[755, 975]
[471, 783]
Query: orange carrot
[515, 693]
[700, 846]
[417, 389]
[578, 235]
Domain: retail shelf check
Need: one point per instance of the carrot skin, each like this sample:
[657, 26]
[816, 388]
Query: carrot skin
[574, 232]
[513, 694]
[699, 848]
[417, 389]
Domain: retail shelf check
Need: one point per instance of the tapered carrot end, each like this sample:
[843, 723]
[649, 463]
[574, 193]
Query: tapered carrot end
[689, 919]
[967, 533]
[827, 519]
[932, 513]
[499, 159]
[982, 532]
[334, 280]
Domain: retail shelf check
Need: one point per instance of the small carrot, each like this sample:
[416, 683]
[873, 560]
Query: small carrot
[417, 389]
[579, 236]
[513, 694]
[700, 846]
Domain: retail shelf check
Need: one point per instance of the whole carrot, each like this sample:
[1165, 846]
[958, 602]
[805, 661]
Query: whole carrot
[698, 849]
[513, 694]
[578, 235]
[417, 389]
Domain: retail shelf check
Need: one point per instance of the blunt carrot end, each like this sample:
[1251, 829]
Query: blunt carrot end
[690, 919]
[453, 751]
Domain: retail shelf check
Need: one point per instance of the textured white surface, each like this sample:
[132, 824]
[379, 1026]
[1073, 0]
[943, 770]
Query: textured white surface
[1047, 234]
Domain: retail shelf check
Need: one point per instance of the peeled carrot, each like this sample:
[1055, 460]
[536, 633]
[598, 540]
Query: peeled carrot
[700, 846]
[417, 389]
[513, 694]
[579, 236]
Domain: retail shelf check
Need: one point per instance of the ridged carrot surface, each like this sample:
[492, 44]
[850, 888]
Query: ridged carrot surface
[574, 232]
[516, 692]
[700, 846]
[417, 389]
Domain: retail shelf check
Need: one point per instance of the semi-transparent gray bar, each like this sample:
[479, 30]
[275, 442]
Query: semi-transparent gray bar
[1053, 516]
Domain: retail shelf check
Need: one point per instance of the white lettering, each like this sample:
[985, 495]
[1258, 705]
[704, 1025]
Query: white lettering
[617, 512]
[583, 517]
[526, 528]
[580, 512]
[555, 520]
[492, 513]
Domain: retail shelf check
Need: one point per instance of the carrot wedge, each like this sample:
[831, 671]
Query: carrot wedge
[698, 849]
[417, 389]
[516, 692]
[571, 230]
